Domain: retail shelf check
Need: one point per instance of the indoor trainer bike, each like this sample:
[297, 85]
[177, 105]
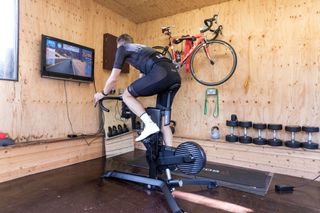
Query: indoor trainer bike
[188, 157]
[211, 61]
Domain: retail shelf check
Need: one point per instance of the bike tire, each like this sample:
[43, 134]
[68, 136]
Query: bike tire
[204, 78]
[163, 51]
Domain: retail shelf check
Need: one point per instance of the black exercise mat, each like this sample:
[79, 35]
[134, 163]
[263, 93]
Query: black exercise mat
[248, 180]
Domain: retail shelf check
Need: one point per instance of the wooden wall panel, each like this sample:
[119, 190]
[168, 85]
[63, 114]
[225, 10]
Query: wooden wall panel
[276, 81]
[119, 145]
[23, 160]
[277, 78]
[35, 108]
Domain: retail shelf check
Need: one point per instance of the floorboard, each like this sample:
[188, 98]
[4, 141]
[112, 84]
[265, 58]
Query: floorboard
[78, 188]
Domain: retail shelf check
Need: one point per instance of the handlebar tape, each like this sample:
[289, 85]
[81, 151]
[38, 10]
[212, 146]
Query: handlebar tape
[108, 98]
[208, 23]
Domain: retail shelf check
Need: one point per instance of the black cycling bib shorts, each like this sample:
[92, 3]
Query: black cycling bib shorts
[159, 72]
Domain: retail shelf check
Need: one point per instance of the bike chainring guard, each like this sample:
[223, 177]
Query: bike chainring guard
[197, 153]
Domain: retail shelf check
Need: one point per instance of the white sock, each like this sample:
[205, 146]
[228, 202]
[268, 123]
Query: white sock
[146, 118]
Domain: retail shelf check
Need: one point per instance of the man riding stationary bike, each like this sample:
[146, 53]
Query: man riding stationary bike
[157, 75]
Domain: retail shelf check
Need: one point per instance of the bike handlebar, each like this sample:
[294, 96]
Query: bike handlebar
[108, 98]
[208, 22]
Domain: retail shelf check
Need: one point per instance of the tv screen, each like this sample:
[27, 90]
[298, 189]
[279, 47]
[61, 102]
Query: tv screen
[65, 60]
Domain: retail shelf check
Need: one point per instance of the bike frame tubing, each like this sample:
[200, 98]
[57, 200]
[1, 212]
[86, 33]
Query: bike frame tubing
[199, 39]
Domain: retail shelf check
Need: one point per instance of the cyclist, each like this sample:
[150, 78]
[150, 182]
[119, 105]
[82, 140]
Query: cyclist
[157, 74]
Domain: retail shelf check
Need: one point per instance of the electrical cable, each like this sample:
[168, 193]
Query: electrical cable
[101, 120]
[101, 124]
[67, 106]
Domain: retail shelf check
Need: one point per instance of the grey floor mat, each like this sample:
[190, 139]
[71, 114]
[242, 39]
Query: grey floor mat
[248, 180]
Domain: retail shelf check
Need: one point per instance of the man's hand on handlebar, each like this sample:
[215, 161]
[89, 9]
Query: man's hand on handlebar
[97, 97]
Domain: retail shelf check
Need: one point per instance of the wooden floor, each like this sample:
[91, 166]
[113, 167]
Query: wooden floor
[77, 189]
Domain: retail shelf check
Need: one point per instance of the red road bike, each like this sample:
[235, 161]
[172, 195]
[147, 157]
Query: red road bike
[211, 61]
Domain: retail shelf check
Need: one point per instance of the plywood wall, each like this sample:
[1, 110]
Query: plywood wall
[277, 78]
[35, 108]
[22, 160]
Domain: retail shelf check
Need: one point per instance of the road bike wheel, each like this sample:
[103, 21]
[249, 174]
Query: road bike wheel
[164, 51]
[218, 70]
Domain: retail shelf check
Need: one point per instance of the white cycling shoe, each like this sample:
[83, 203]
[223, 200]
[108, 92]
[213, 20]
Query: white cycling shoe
[149, 129]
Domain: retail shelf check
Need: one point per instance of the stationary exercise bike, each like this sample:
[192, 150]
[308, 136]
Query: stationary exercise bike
[188, 157]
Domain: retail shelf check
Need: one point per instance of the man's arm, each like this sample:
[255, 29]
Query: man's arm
[112, 80]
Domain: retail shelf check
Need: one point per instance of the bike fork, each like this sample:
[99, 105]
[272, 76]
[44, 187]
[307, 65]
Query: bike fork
[206, 50]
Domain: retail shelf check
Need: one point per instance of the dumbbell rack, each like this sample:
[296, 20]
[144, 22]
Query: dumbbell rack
[115, 131]
[275, 128]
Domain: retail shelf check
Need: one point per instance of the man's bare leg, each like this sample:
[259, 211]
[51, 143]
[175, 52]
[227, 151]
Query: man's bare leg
[136, 107]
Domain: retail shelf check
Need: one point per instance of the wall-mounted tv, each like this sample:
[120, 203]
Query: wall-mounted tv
[65, 60]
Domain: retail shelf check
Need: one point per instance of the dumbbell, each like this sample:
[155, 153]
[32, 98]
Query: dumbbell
[245, 125]
[109, 131]
[274, 141]
[259, 140]
[232, 124]
[120, 130]
[114, 131]
[293, 143]
[309, 144]
[125, 128]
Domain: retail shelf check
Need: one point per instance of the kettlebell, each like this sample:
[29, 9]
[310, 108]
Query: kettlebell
[114, 131]
[125, 128]
[109, 132]
[120, 130]
[215, 132]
